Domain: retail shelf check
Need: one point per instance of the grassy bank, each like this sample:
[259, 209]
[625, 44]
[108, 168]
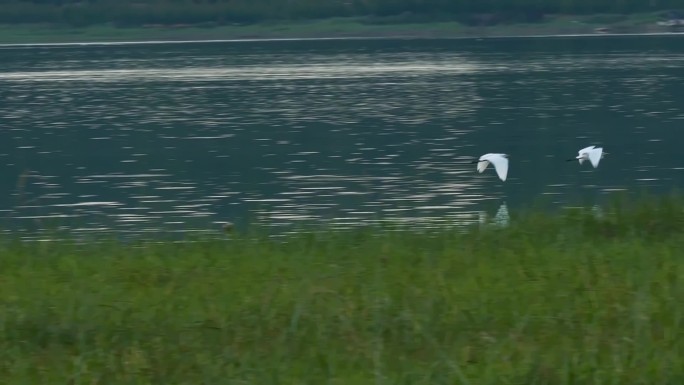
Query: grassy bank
[562, 299]
[338, 27]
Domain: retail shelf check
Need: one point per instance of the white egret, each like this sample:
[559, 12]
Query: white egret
[500, 162]
[592, 153]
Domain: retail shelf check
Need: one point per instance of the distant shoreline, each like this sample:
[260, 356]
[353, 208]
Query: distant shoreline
[246, 40]
[342, 28]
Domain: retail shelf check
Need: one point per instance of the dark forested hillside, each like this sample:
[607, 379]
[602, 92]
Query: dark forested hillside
[139, 12]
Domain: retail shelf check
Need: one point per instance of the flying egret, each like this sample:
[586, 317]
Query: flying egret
[500, 162]
[593, 153]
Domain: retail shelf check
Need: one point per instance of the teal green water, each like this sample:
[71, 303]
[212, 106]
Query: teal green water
[158, 139]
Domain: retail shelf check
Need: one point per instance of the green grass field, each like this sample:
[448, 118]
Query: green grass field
[565, 298]
[336, 27]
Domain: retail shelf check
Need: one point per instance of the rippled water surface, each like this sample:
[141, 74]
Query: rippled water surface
[153, 140]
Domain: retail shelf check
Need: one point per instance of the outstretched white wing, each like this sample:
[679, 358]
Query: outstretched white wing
[499, 161]
[501, 165]
[595, 156]
[585, 150]
[482, 165]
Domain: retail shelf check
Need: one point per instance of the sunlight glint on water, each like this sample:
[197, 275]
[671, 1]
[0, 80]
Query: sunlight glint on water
[175, 139]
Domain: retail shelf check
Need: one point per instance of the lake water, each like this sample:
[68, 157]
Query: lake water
[157, 139]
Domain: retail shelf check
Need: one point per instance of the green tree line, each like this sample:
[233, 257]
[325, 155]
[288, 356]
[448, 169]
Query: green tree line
[140, 12]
